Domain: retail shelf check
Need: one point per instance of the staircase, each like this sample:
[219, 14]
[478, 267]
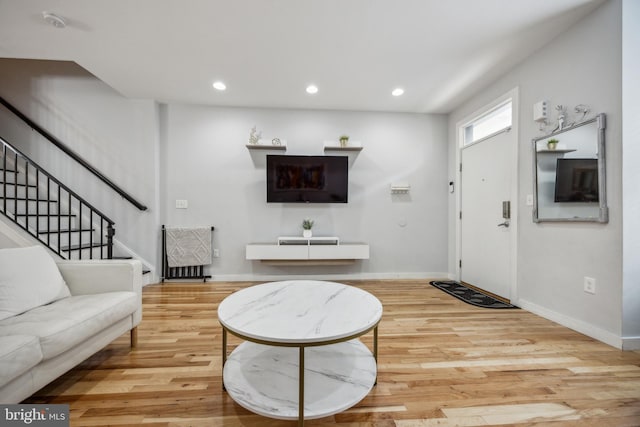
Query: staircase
[50, 211]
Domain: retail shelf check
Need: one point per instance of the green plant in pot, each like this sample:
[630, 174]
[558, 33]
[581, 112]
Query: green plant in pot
[307, 224]
[344, 140]
[552, 144]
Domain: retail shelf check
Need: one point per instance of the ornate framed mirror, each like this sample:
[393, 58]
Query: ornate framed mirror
[569, 174]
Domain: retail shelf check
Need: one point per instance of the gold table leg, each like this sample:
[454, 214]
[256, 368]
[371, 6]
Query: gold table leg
[224, 354]
[375, 351]
[301, 391]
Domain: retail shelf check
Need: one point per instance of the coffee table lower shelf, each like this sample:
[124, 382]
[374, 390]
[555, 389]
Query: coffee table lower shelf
[264, 379]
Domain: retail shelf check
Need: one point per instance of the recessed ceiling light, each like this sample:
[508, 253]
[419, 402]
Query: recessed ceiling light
[397, 91]
[219, 85]
[54, 20]
[312, 89]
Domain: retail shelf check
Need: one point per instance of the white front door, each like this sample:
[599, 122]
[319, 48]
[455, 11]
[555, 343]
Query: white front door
[485, 260]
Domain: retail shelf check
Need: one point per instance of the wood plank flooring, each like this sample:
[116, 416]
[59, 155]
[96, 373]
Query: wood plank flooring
[441, 363]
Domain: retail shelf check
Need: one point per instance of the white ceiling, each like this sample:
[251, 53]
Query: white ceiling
[268, 51]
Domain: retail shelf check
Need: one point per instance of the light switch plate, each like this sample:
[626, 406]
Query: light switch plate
[182, 204]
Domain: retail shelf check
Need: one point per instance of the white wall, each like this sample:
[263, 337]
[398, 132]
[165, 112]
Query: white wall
[117, 136]
[631, 171]
[205, 161]
[581, 66]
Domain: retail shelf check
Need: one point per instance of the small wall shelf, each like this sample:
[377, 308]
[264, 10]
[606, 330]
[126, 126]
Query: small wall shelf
[335, 146]
[266, 144]
[558, 150]
[266, 147]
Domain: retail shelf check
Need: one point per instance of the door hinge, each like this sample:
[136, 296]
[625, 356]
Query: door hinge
[460, 215]
[460, 167]
[460, 263]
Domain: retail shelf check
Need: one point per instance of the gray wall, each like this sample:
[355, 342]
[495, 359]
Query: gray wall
[168, 152]
[205, 161]
[581, 66]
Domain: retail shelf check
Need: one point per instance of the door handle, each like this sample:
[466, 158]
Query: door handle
[504, 224]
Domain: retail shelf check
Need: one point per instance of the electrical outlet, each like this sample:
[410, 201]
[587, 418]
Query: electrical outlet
[182, 204]
[216, 253]
[590, 285]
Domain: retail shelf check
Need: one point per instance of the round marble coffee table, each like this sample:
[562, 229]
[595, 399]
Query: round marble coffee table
[302, 359]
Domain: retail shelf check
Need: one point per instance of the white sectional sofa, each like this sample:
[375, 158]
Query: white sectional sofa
[55, 315]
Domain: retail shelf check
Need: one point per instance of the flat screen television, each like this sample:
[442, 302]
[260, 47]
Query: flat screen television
[307, 179]
[576, 181]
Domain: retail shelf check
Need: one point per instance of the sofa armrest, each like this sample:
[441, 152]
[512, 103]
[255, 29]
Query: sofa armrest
[98, 276]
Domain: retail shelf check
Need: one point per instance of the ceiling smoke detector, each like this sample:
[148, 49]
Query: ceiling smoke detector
[54, 20]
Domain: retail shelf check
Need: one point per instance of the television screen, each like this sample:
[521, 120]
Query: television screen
[576, 180]
[307, 179]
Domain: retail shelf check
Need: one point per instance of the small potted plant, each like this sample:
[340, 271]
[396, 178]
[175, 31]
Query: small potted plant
[306, 227]
[344, 140]
[552, 144]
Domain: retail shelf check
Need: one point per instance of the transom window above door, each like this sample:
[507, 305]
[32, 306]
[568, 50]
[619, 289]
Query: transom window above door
[496, 120]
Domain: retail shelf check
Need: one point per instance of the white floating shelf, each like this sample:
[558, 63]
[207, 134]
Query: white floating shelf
[335, 146]
[267, 144]
[557, 150]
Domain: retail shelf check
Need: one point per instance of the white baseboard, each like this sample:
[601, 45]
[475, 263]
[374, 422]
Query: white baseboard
[329, 276]
[631, 343]
[575, 324]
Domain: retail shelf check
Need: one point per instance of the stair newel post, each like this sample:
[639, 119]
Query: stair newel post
[59, 218]
[91, 232]
[110, 233]
[4, 178]
[15, 181]
[69, 225]
[48, 230]
[80, 232]
[37, 197]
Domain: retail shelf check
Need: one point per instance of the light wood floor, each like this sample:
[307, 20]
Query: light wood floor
[441, 363]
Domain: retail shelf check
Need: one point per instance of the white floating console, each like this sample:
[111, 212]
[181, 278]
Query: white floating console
[297, 240]
[295, 250]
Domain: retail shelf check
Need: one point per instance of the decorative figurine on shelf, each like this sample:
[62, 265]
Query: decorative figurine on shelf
[276, 141]
[584, 109]
[344, 140]
[562, 115]
[552, 144]
[254, 136]
[306, 227]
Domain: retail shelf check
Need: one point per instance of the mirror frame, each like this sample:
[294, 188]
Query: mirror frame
[603, 214]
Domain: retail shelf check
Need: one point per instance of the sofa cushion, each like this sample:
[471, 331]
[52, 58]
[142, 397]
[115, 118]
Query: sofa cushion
[18, 354]
[66, 323]
[29, 278]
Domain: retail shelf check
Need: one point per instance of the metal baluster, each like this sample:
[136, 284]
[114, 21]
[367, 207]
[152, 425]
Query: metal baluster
[68, 223]
[80, 228]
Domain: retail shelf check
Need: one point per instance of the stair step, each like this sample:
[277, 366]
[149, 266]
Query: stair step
[83, 246]
[47, 215]
[73, 230]
[19, 185]
[122, 257]
[30, 199]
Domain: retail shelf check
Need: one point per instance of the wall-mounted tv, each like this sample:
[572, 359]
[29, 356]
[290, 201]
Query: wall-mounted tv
[307, 179]
[576, 181]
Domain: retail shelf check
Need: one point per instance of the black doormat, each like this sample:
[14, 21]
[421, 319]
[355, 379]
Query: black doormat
[470, 296]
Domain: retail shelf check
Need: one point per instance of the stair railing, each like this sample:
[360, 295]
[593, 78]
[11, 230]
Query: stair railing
[49, 210]
[69, 152]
